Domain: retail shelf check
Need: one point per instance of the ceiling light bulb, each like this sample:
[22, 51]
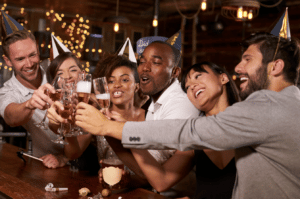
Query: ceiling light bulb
[203, 5]
[155, 22]
[116, 27]
[245, 14]
[250, 15]
[240, 13]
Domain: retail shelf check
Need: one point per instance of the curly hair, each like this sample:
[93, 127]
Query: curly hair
[109, 62]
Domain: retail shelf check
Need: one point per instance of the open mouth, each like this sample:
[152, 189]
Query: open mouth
[117, 94]
[198, 92]
[144, 79]
[244, 81]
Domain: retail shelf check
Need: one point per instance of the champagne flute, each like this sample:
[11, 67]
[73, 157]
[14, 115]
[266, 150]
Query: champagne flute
[57, 84]
[74, 131]
[102, 92]
[66, 100]
[84, 87]
[83, 90]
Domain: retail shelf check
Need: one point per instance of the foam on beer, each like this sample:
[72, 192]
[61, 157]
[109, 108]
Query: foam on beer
[104, 96]
[84, 87]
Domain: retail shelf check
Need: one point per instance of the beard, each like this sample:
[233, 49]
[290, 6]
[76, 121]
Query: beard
[256, 82]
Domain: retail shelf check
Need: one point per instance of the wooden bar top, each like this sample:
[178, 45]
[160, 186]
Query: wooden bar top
[28, 180]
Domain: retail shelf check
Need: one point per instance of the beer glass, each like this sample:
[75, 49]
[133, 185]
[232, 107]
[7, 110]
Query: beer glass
[57, 84]
[112, 171]
[102, 92]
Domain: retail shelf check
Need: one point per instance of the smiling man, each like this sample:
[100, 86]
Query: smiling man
[263, 129]
[22, 98]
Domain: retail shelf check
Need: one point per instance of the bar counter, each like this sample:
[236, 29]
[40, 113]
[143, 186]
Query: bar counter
[28, 180]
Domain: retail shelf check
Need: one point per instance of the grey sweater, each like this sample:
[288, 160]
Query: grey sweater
[264, 129]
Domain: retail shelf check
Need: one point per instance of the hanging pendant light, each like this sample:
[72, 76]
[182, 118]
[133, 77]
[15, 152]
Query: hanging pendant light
[240, 10]
[117, 20]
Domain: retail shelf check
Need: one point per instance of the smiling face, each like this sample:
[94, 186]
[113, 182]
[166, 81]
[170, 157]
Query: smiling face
[155, 69]
[204, 89]
[24, 58]
[252, 73]
[122, 86]
[69, 70]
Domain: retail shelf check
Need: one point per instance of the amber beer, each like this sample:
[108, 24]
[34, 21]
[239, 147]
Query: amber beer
[84, 91]
[103, 100]
[113, 177]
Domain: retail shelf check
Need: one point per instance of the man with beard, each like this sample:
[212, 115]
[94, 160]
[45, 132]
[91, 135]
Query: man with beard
[22, 98]
[263, 129]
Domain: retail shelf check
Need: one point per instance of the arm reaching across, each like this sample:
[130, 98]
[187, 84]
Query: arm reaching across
[93, 121]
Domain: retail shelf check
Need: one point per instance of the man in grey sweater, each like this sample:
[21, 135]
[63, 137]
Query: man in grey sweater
[264, 128]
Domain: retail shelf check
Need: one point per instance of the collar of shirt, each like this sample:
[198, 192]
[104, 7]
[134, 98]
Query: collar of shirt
[153, 107]
[24, 90]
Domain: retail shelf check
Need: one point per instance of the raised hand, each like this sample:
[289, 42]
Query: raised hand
[90, 119]
[53, 115]
[39, 99]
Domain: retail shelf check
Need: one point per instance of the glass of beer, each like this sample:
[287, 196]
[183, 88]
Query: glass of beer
[57, 84]
[102, 92]
[113, 171]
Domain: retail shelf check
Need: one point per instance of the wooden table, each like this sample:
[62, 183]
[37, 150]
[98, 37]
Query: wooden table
[28, 180]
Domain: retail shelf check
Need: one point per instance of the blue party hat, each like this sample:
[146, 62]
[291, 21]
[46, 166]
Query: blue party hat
[282, 28]
[142, 43]
[175, 40]
[9, 25]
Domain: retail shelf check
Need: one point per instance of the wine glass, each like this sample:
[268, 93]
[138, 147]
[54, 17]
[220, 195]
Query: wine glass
[102, 92]
[57, 84]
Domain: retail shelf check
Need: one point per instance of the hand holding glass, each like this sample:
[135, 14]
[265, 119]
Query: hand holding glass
[57, 84]
[102, 92]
